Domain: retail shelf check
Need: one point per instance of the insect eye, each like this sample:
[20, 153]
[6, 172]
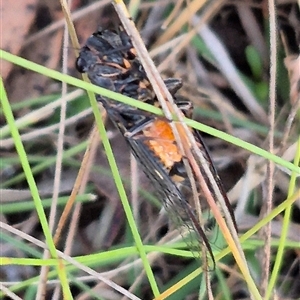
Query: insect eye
[80, 65]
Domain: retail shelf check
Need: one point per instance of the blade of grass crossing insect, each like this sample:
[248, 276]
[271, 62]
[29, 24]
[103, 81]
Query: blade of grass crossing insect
[245, 145]
[233, 243]
[144, 106]
[77, 82]
[123, 197]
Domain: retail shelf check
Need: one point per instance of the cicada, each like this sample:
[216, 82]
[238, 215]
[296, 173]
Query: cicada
[110, 61]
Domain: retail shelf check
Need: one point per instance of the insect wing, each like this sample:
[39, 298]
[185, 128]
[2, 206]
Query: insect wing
[175, 204]
[204, 151]
[136, 130]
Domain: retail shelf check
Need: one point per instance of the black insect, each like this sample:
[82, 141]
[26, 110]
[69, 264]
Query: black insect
[110, 61]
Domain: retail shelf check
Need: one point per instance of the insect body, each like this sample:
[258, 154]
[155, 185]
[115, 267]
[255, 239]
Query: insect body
[109, 60]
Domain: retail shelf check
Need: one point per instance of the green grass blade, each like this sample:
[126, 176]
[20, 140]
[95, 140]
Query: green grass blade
[32, 186]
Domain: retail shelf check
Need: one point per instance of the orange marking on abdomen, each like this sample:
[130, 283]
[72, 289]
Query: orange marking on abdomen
[161, 141]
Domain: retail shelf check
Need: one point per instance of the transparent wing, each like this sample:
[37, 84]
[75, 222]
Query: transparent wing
[157, 169]
[172, 198]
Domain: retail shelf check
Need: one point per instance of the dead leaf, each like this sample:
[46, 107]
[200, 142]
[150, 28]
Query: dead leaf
[18, 16]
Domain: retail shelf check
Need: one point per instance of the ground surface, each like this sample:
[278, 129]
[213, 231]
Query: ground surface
[215, 81]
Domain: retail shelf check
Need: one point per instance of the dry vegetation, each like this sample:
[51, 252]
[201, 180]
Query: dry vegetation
[221, 51]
